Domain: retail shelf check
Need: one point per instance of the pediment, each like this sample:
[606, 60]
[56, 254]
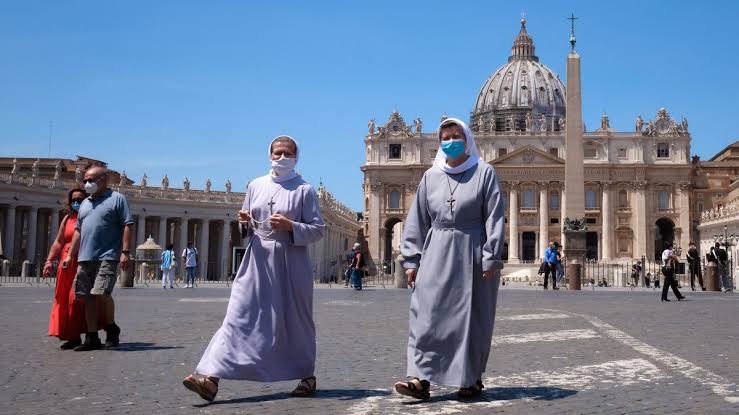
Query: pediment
[528, 155]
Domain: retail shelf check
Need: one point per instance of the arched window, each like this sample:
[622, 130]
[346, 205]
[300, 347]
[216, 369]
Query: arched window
[591, 199]
[394, 200]
[623, 199]
[529, 199]
[554, 200]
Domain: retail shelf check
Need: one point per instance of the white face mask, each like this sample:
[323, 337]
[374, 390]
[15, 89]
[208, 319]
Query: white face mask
[283, 166]
[91, 187]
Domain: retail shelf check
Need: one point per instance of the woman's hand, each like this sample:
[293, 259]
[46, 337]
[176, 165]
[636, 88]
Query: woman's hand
[66, 262]
[48, 266]
[280, 222]
[410, 274]
[487, 274]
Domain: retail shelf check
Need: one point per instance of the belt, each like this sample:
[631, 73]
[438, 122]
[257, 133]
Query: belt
[462, 225]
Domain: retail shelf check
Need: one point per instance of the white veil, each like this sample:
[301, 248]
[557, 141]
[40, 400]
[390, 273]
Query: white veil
[470, 149]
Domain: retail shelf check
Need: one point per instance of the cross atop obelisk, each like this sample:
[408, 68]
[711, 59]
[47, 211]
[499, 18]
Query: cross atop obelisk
[572, 19]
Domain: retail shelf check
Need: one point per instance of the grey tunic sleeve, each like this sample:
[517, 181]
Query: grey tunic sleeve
[417, 226]
[310, 227]
[246, 229]
[494, 215]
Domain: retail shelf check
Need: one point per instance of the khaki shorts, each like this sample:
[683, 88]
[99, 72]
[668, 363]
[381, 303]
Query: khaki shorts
[95, 278]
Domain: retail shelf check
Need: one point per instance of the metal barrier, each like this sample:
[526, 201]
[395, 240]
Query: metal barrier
[621, 274]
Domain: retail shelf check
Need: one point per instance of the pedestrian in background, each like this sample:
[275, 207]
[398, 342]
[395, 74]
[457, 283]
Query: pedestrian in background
[357, 267]
[190, 260]
[722, 258]
[169, 264]
[102, 236]
[550, 266]
[694, 265]
[669, 264]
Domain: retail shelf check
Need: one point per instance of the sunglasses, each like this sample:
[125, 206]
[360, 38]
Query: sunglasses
[90, 180]
[78, 200]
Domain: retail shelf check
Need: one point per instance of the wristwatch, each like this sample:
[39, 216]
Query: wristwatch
[126, 251]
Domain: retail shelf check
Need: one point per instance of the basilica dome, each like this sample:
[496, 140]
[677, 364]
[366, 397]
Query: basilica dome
[522, 95]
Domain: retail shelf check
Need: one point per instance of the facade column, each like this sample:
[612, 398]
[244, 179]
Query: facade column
[31, 237]
[203, 249]
[683, 192]
[223, 249]
[162, 236]
[606, 225]
[640, 211]
[140, 230]
[183, 245]
[375, 227]
[513, 222]
[9, 237]
[42, 234]
[543, 218]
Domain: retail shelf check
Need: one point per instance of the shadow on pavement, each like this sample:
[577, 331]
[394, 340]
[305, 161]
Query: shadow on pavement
[338, 394]
[138, 347]
[504, 394]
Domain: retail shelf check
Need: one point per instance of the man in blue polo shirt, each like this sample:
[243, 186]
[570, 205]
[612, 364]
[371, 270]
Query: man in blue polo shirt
[101, 237]
[550, 266]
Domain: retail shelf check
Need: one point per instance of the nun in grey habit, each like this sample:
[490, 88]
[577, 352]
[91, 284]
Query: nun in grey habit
[268, 333]
[452, 245]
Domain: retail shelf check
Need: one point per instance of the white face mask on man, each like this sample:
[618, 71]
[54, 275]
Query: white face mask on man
[283, 165]
[91, 187]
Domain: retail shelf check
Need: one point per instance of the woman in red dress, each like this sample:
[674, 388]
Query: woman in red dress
[67, 320]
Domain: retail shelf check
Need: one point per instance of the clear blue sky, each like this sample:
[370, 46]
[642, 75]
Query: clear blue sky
[199, 88]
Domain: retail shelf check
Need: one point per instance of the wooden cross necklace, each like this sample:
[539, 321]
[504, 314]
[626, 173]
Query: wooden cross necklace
[451, 199]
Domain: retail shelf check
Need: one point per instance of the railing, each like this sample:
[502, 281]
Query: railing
[598, 274]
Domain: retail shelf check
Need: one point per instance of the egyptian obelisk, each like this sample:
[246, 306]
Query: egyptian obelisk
[574, 200]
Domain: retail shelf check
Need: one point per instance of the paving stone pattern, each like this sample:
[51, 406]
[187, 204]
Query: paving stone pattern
[560, 353]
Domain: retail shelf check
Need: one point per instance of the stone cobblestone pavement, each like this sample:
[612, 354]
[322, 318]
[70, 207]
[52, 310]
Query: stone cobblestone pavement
[554, 352]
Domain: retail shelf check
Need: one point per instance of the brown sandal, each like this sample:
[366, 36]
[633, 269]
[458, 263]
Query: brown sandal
[205, 386]
[471, 391]
[410, 389]
[306, 387]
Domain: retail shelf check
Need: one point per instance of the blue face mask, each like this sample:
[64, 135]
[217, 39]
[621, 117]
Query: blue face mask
[75, 206]
[453, 148]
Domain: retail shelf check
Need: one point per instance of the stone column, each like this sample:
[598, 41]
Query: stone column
[224, 254]
[639, 209]
[162, 236]
[9, 237]
[182, 245]
[203, 248]
[42, 234]
[513, 222]
[574, 206]
[375, 226]
[606, 226]
[140, 230]
[543, 218]
[31, 237]
[683, 192]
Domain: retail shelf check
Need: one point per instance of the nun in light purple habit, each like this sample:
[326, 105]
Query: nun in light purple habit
[268, 333]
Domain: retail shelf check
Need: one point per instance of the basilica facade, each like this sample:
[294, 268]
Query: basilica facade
[638, 183]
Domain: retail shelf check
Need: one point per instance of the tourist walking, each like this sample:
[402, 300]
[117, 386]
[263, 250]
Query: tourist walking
[669, 264]
[169, 263]
[268, 333]
[357, 267]
[636, 273]
[452, 246]
[348, 272]
[190, 261]
[102, 235]
[67, 319]
[694, 266]
[560, 264]
[550, 266]
[722, 259]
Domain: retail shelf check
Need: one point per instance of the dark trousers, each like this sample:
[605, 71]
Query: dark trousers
[695, 270]
[550, 271]
[670, 282]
